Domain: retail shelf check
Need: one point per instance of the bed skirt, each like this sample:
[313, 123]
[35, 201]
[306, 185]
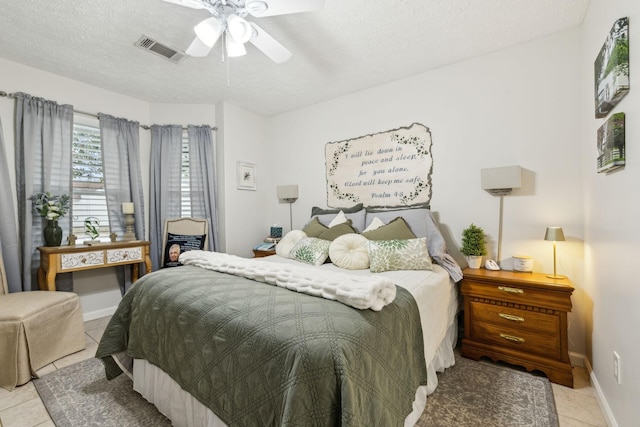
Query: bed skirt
[185, 411]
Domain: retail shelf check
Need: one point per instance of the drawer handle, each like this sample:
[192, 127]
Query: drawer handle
[512, 338]
[511, 317]
[512, 290]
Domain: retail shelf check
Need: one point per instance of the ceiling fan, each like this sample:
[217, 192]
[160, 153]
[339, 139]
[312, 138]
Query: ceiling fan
[227, 21]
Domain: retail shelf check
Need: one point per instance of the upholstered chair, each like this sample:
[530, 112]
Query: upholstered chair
[36, 328]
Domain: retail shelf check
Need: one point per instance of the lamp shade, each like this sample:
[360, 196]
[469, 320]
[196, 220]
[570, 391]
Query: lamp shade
[554, 234]
[287, 193]
[239, 29]
[208, 31]
[234, 49]
[501, 180]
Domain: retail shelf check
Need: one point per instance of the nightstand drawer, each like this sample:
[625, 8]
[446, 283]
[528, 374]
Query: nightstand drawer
[502, 315]
[518, 294]
[517, 338]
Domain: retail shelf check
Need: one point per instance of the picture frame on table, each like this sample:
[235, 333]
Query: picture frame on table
[246, 176]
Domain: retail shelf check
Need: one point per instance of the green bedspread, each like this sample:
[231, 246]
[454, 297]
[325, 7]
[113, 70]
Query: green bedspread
[260, 355]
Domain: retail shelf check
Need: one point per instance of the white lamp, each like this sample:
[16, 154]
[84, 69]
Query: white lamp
[500, 182]
[208, 31]
[554, 234]
[288, 193]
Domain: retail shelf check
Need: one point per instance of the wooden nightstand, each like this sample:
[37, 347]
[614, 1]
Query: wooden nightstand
[260, 254]
[519, 318]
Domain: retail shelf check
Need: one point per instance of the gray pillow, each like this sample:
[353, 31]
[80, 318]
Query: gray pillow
[320, 211]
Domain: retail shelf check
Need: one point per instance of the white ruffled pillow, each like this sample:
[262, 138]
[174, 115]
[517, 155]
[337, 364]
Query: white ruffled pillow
[284, 246]
[376, 223]
[350, 251]
[339, 219]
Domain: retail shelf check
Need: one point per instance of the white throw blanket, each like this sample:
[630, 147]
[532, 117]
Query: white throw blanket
[356, 291]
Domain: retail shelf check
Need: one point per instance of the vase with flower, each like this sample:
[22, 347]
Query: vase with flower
[51, 208]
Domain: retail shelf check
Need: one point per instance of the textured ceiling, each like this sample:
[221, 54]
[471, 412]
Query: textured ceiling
[347, 46]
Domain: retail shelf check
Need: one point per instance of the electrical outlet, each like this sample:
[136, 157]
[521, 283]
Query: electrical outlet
[617, 368]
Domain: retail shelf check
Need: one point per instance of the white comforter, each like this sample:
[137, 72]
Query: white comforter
[362, 292]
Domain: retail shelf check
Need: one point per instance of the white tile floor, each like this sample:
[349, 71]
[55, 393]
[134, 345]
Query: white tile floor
[22, 407]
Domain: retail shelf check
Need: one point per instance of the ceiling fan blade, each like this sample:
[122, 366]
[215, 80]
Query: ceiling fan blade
[280, 7]
[198, 48]
[193, 4]
[269, 46]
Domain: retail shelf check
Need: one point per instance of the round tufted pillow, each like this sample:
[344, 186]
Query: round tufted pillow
[287, 243]
[350, 251]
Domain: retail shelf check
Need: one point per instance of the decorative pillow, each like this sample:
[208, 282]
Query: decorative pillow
[339, 219]
[337, 230]
[396, 229]
[357, 218]
[311, 250]
[376, 223]
[314, 228]
[350, 251]
[417, 218]
[178, 243]
[387, 255]
[284, 246]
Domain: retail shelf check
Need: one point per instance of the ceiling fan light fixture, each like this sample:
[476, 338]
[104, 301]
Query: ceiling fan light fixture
[208, 31]
[234, 49]
[239, 29]
[256, 7]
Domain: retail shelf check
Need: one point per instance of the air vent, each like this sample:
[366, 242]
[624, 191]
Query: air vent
[153, 46]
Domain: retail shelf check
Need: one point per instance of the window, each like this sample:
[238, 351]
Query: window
[185, 183]
[89, 201]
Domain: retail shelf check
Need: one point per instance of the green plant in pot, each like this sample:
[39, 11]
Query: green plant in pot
[473, 245]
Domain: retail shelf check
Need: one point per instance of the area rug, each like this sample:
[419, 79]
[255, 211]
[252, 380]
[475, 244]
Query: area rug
[80, 396]
[470, 394]
[489, 395]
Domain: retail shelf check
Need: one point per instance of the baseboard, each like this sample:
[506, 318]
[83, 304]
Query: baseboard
[602, 401]
[92, 315]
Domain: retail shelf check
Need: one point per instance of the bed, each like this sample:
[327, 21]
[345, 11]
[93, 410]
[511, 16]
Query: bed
[223, 340]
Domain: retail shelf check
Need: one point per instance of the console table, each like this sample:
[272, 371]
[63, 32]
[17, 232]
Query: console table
[65, 259]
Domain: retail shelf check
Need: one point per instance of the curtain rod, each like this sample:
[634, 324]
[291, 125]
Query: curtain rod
[146, 127]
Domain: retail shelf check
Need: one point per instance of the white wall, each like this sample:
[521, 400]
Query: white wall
[513, 107]
[244, 216]
[612, 226]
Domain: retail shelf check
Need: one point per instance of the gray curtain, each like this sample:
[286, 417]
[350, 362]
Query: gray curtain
[202, 179]
[165, 170]
[44, 136]
[120, 140]
[9, 247]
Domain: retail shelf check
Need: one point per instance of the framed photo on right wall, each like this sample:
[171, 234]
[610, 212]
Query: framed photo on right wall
[611, 69]
[611, 150]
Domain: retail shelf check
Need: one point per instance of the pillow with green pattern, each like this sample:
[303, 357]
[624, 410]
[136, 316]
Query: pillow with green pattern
[408, 254]
[311, 250]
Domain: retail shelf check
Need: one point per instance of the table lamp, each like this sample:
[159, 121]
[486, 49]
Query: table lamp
[554, 234]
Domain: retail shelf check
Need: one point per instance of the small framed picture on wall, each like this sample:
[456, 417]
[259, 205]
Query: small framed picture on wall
[246, 176]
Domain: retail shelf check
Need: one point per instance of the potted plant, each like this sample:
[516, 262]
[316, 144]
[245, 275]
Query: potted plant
[473, 245]
[51, 208]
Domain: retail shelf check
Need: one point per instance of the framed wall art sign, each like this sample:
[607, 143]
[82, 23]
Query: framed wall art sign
[611, 69]
[246, 176]
[391, 168]
[611, 145]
